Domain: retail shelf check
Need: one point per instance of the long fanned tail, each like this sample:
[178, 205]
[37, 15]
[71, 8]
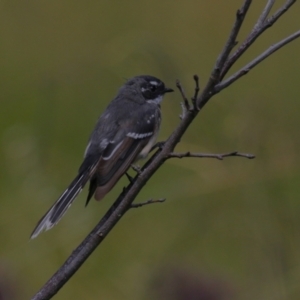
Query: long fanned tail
[58, 209]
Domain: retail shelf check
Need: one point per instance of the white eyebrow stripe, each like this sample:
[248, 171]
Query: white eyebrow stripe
[154, 82]
[139, 135]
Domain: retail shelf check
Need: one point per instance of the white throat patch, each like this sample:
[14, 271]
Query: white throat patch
[156, 101]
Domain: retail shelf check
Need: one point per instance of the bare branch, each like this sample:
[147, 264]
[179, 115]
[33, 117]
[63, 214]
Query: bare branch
[151, 201]
[264, 14]
[184, 97]
[284, 8]
[209, 155]
[256, 61]
[259, 28]
[130, 178]
[231, 42]
[183, 111]
[197, 89]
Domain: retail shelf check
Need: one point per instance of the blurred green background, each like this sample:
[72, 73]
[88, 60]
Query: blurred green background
[229, 229]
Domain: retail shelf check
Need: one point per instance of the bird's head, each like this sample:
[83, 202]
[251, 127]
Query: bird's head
[150, 88]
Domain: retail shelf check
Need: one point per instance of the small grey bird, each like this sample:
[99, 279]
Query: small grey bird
[125, 132]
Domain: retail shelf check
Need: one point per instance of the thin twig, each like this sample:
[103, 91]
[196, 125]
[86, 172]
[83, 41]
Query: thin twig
[243, 71]
[183, 111]
[183, 95]
[209, 155]
[271, 20]
[222, 58]
[197, 89]
[130, 178]
[151, 201]
[264, 14]
[255, 33]
[231, 42]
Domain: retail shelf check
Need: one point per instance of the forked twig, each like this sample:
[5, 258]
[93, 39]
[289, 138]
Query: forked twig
[215, 75]
[243, 71]
[262, 18]
[261, 25]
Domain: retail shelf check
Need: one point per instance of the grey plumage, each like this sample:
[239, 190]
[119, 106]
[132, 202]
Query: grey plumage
[125, 132]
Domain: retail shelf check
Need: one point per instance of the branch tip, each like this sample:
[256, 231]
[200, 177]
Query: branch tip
[243, 71]
[222, 61]
[197, 89]
[210, 155]
[150, 201]
[262, 24]
[184, 97]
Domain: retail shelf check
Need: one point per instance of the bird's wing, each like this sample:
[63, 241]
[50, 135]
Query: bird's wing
[122, 151]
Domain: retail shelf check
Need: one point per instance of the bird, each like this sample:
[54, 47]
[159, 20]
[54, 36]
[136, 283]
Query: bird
[124, 133]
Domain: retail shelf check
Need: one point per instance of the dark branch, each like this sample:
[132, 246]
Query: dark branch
[197, 89]
[258, 29]
[215, 76]
[183, 95]
[210, 155]
[151, 201]
[130, 178]
[264, 14]
[256, 61]
[280, 12]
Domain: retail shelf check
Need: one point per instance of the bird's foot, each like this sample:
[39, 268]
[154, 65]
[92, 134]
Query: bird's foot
[136, 168]
[158, 145]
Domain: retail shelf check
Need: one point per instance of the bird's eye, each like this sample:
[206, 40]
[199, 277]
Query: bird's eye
[152, 88]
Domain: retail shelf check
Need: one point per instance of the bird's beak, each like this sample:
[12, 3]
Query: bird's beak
[167, 90]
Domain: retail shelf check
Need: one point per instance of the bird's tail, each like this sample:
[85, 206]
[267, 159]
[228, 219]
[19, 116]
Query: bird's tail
[58, 209]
